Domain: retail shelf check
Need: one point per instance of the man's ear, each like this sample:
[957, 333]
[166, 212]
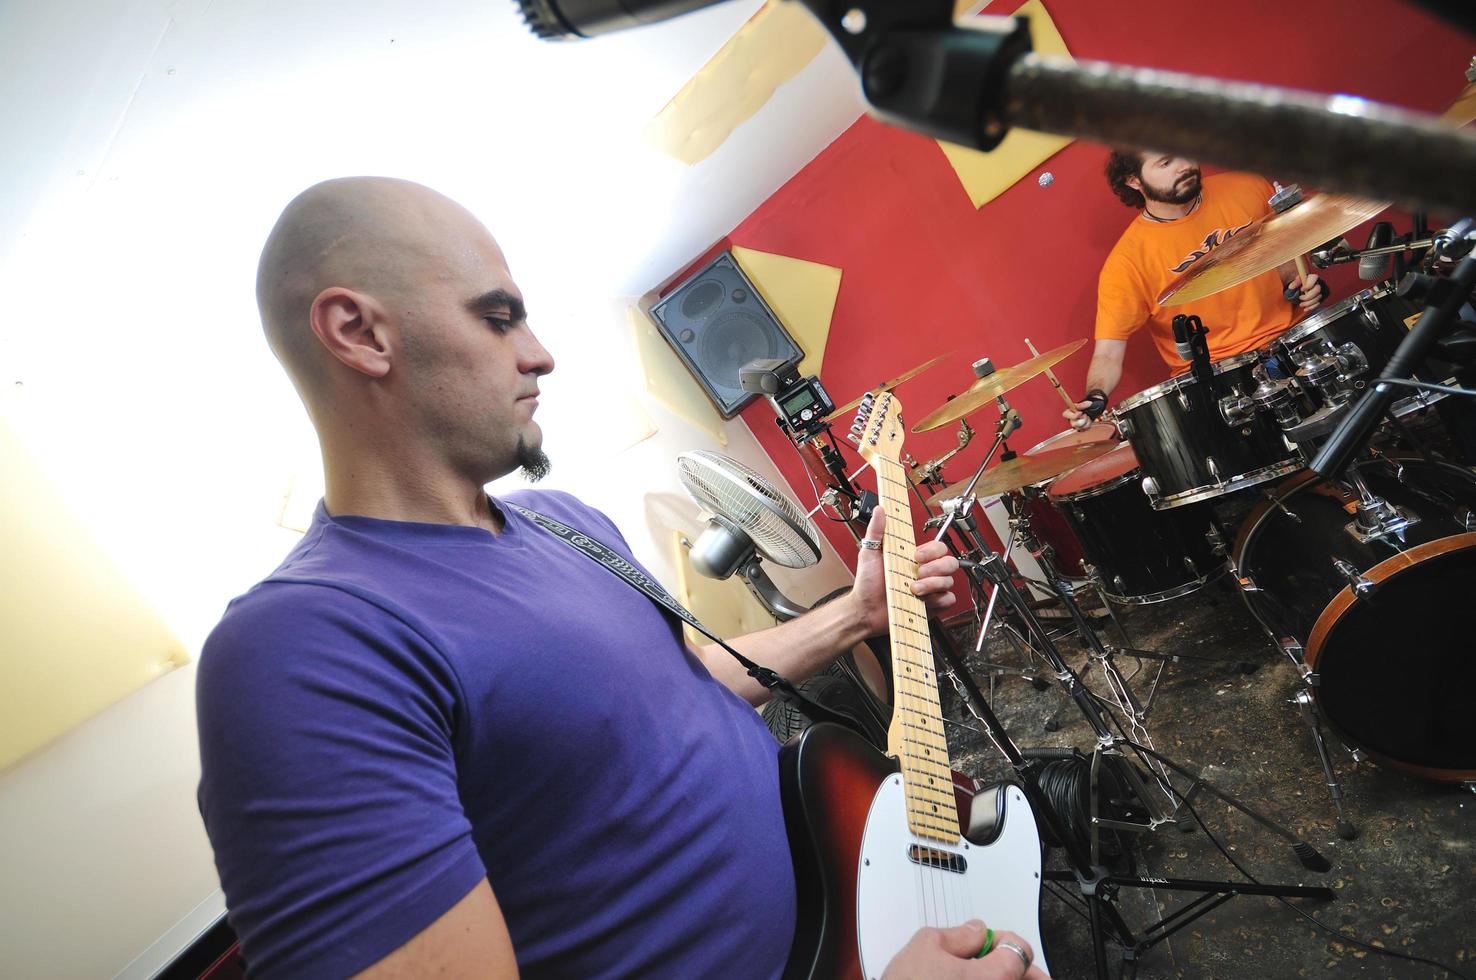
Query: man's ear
[1135, 184]
[353, 328]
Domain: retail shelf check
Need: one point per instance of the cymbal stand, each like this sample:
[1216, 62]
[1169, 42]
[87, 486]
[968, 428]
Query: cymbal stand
[930, 475]
[1097, 887]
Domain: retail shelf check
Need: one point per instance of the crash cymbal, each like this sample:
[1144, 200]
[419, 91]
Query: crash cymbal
[1270, 242]
[987, 389]
[887, 386]
[1463, 109]
[1026, 470]
[1280, 238]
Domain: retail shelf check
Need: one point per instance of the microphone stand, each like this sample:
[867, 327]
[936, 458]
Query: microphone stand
[970, 83]
[1097, 886]
[1444, 302]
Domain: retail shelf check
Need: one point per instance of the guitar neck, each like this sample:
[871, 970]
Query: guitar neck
[916, 736]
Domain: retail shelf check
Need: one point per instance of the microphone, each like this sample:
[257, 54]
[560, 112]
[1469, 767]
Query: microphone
[1181, 338]
[568, 20]
[1377, 268]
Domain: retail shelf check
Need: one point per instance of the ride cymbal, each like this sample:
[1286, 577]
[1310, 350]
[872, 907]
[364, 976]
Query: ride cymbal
[1026, 470]
[990, 387]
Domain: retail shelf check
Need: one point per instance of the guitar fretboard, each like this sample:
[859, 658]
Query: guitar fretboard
[916, 737]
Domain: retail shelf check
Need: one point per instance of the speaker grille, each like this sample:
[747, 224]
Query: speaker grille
[704, 297]
[717, 322]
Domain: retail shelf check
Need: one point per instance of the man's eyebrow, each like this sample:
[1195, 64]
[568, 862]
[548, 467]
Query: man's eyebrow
[498, 298]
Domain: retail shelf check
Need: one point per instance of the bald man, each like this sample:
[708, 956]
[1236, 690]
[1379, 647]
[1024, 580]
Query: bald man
[437, 741]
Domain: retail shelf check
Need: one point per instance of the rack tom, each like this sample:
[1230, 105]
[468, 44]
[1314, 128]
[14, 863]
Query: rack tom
[1136, 554]
[1357, 336]
[1191, 448]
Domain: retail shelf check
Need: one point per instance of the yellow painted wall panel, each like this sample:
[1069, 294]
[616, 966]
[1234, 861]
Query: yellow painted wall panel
[75, 636]
[669, 381]
[769, 50]
[985, 176]
[801, 293]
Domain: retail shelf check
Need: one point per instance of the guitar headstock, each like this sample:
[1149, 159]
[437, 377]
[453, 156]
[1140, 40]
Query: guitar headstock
[878, 430]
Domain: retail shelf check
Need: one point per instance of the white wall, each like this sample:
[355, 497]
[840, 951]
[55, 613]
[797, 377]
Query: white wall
[147, 147]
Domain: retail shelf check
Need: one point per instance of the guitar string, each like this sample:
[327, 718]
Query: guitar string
[945, 896]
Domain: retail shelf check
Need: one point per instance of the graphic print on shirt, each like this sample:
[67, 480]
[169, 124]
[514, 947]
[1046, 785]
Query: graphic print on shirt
[1212, 241]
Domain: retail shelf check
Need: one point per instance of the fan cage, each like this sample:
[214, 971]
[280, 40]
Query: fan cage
[781, 532]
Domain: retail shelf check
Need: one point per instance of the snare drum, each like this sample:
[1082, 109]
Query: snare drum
[1383, 622]
[1138, 554]
[1046, 523]
[1186, 447]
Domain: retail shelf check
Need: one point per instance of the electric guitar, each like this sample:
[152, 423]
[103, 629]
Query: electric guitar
[882, 846]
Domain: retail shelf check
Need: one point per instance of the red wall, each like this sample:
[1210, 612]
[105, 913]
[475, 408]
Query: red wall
[924, 272]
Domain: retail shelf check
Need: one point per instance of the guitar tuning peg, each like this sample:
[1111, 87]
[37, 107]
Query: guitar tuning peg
[854, 438]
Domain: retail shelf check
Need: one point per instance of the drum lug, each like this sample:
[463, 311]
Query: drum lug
[1351, 361]
[1362, 587]
[1214, 468]
[1467, 518]
[1189, 564]
[1237, 409]
[1184, 401]
[1124, 427]
[1361, 301]
[1216, 542]
[1150, 489]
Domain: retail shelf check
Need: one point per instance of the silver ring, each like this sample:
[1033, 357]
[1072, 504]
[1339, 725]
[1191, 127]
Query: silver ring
[870, 544]
[1014, 948]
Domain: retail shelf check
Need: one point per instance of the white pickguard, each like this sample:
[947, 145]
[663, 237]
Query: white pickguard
[895, 897]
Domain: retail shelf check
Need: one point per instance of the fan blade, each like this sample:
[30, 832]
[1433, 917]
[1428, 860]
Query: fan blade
[776, 43]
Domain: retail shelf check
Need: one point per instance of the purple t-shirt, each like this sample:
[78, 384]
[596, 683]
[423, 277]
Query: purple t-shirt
[401, 709]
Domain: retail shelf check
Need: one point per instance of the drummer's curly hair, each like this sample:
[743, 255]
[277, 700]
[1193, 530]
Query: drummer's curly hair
[1121, 165]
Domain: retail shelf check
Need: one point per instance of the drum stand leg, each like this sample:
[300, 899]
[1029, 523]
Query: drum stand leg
[1096, 886]
[1308, 707]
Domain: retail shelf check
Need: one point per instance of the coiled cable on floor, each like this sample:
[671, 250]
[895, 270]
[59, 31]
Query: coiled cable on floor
[1066, 784]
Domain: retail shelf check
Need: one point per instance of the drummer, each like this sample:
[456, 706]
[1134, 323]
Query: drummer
[1182, 217]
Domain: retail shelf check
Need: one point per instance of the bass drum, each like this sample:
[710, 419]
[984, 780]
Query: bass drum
[1385, 624]
[1138, 554]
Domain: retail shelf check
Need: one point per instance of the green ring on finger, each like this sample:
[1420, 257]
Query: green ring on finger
[988, 943]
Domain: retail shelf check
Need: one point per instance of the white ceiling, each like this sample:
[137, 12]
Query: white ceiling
[148, 146]
[210, 96]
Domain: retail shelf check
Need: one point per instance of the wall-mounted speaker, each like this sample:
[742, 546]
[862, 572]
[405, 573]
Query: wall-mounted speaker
[717, 322]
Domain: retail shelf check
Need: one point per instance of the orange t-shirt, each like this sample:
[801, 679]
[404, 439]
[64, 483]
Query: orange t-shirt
[1151, 254]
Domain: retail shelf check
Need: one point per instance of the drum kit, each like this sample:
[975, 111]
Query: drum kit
[1359, 577]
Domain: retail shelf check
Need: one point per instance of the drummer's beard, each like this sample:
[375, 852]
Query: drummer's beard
[1183, 190]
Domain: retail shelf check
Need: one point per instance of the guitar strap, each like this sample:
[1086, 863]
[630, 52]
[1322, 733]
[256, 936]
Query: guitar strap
[616, 564]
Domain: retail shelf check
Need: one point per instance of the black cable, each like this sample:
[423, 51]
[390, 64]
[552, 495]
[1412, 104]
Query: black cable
[1427, 386]
[1339, 936]
[1066, 785]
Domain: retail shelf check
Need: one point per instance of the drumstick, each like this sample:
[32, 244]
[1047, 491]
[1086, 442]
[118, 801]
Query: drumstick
[1302, 268]
[1052, 376]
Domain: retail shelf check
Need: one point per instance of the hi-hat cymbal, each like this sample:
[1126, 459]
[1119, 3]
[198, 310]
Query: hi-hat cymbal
[887, 385]
[1269, 242]
[1028, 469]
[987, 389]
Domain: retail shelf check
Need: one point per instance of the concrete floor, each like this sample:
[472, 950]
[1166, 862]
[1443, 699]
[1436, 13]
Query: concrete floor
[1408, 882]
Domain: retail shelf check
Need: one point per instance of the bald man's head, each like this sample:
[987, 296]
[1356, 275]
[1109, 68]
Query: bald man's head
[375, 235]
